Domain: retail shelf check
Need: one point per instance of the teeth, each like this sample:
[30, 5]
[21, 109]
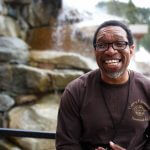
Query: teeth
[111, 61]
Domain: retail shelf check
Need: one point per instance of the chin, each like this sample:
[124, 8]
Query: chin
[115, 75]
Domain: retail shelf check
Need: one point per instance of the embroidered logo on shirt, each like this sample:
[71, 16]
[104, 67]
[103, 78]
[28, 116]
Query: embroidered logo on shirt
[140, 111]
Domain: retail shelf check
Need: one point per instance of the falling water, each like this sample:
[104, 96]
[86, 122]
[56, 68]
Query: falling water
[82, 8]
[77, 23]
[75, 15]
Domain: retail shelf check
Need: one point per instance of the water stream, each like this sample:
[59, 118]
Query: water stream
[76, 25]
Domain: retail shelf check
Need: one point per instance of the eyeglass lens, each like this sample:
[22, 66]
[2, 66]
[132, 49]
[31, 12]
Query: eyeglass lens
[121, 45]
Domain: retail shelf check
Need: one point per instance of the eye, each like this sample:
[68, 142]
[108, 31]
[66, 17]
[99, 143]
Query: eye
[120, 44]
[101, 45]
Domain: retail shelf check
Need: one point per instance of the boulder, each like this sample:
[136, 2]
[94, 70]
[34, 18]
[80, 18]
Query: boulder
[41, 38]
[6, 145]
[13, 50]
[40, 13]
[9, 27]
[26, 99]
[22, 79]
[13, 42]
[60, 78]
[13, 56]
[56, 59]
[41, 116]
[6, 102]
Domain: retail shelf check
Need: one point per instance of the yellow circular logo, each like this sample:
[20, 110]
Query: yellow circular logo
[140, 111]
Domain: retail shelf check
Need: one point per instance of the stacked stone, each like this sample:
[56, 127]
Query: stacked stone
[31, 81]
[31, 85]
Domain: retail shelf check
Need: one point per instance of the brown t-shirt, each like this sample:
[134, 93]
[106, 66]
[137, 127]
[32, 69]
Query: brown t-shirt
[92, 113]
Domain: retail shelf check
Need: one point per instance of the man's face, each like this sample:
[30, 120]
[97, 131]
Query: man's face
[113, 63]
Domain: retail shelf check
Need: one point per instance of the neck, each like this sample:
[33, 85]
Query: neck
[120, 80]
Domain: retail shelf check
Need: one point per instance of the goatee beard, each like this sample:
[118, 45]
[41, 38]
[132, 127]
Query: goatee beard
[115, 75]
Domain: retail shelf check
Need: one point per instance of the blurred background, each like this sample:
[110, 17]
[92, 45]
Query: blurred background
[44, 45]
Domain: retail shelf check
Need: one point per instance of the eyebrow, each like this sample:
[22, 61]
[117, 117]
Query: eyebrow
[102, 38]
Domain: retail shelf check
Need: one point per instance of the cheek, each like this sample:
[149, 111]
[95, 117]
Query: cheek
[127, 58]
[98, 55]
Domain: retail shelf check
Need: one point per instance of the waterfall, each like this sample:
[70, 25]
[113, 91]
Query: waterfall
[76, 25]
[87, 13]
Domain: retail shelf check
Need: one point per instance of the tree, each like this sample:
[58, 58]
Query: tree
[132, 13]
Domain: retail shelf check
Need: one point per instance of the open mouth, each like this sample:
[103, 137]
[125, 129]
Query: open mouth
[112, 64]
[112, 61]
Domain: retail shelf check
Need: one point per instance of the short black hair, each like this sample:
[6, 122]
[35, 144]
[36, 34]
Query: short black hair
[114, 23]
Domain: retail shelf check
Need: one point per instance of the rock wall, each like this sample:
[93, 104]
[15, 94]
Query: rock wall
[19, 16]
[30, 88]
[31, 81]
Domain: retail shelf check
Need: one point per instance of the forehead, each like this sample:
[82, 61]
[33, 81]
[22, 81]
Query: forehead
[112, 33]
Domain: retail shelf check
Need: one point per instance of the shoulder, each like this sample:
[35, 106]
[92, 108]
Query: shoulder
[75, 90]
[141, 80]
[140, 77]
[83, 81]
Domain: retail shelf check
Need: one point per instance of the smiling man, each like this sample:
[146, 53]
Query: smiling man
[113, 53]
[107, 108]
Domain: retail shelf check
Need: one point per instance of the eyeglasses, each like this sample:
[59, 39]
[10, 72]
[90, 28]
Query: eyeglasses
[119, 45]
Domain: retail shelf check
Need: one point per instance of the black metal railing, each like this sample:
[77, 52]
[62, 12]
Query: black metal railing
[7, 132]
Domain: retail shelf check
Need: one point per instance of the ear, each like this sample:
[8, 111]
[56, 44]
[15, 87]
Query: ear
[132, 50]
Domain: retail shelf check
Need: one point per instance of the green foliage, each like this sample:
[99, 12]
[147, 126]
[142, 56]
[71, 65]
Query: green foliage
[133, 14]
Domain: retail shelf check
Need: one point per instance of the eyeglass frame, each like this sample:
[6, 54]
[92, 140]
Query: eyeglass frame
[112, 45]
